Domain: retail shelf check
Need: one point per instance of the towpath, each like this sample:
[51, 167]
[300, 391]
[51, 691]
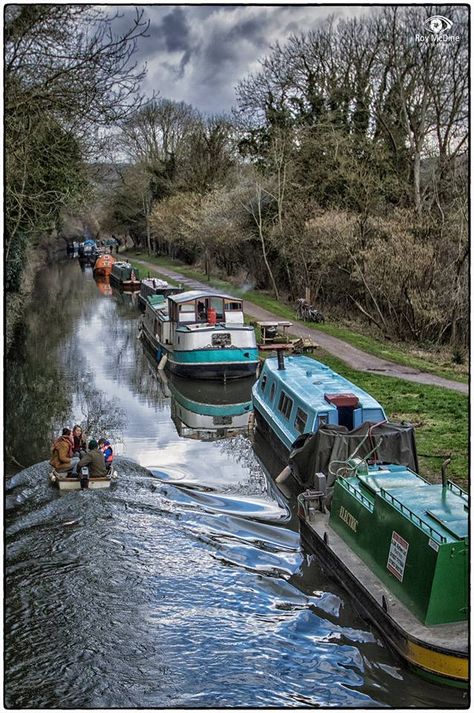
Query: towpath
[353, 357]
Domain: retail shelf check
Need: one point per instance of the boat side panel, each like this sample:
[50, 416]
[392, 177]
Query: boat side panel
[442, 663]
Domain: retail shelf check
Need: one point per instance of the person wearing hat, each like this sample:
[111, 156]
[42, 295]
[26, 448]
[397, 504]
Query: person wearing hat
[95, 460]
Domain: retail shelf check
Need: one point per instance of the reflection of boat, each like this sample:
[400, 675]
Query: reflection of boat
[127, 299]
[151, 286]
[103, 265]
[209, 411]
[124, 276]
[201, 335]
[103, 285]
[399, 545]
[295, 395]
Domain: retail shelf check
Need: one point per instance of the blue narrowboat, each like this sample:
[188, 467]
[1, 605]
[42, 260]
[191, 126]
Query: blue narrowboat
[296, 395]
[201, 335]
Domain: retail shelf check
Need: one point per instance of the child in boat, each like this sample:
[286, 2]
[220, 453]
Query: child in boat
[107, 450]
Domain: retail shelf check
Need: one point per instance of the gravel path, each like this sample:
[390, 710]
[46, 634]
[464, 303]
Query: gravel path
[353, 357]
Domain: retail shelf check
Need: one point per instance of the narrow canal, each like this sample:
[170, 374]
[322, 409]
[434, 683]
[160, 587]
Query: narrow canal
[185, 584]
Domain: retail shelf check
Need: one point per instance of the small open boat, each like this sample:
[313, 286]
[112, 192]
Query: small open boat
[67, 483]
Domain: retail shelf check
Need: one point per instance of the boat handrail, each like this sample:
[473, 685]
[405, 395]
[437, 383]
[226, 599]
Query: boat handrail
[459, 491]
[416, 519]
[357, 494]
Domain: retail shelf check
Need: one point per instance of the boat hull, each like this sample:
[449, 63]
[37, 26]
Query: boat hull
[199, 370]
[210, 364]
[439, 654]
[75, 483]
[125, 285]
[266, 430]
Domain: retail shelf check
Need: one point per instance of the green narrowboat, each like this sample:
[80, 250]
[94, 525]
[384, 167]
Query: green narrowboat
[400, 546]
[125, 276]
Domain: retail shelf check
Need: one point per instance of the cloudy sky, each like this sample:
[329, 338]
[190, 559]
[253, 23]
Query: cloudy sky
[198, 53]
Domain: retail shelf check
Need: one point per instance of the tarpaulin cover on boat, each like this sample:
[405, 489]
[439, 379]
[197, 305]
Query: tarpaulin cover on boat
[335, 443]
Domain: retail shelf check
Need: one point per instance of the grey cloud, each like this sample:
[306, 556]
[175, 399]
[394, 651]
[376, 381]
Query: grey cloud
[198, 54]
[176, 31]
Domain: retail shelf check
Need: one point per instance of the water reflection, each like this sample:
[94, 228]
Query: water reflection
[103, 285]
[210, 412]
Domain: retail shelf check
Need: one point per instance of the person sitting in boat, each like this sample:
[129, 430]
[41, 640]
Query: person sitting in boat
[94, 460]
[79, 443]
[202, 314]
[107, 450]
[62, 458]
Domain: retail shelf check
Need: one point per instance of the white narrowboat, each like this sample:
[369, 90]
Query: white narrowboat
[201, 335]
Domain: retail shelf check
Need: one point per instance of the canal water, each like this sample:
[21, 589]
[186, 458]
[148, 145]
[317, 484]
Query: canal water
[185, 584]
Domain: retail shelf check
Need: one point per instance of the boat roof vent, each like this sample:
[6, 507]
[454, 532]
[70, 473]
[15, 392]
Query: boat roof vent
[346, 400]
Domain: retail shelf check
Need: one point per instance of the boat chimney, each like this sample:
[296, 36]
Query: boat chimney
[444, 477]
[281, 359]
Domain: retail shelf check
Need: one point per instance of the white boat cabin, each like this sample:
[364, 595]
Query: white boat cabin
[197, 307]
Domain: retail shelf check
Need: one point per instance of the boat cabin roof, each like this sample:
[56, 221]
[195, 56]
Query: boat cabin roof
[446, 510]
[193, 295]
[316, 382]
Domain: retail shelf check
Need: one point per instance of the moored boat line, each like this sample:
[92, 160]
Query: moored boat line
[397, 543]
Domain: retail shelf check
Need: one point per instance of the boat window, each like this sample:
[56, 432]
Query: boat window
[187, 307]
[216, 303]
[322, 419]
[300, 420]
[263, 383]
[232, 306]
[285, 405]
[272, 392]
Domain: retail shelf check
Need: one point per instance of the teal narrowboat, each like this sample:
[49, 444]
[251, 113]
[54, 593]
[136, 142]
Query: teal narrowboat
[400, 546]
[201, 335]
[295, 395]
